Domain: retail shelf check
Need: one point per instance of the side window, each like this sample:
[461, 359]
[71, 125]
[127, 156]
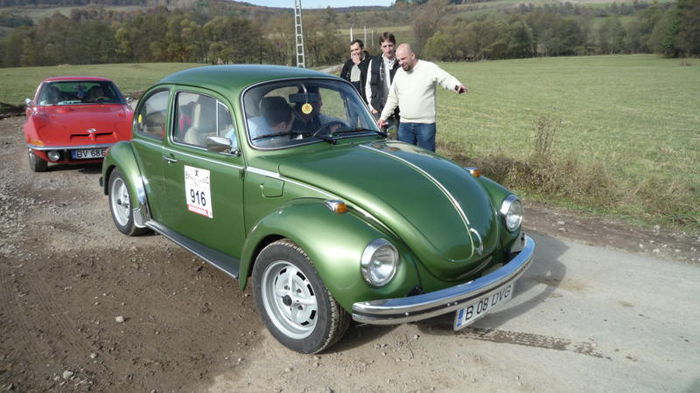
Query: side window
[199, 116]
[151, 118]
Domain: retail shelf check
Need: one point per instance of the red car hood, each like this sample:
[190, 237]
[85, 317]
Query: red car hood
[82, 124]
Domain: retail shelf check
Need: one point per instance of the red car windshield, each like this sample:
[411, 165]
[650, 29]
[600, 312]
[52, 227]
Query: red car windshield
[79, 92]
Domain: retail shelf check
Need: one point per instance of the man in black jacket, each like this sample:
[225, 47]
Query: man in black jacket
[380, 74]
[355, 68]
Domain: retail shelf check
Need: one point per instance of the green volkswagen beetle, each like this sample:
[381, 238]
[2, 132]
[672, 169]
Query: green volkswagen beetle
[280, 176]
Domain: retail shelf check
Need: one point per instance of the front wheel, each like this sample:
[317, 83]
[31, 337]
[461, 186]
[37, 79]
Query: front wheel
[120, 205]
[295, 305]
[36, 164]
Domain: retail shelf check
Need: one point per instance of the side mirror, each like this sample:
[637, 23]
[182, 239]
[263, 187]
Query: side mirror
[222, 145]
[28, 102]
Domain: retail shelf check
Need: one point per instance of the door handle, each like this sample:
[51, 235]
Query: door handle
[170, 160]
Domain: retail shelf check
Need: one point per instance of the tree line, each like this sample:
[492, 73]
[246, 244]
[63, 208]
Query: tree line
[560, 30]
[161, 35]
[564, 29]
[93, 35]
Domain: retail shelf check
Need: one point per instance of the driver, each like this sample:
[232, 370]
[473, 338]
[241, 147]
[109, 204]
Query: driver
[276, 119]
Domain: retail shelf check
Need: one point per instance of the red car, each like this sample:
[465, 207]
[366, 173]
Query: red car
[73, 120]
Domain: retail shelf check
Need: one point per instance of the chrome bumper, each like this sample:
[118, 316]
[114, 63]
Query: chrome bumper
[71, 147]
[428, 305]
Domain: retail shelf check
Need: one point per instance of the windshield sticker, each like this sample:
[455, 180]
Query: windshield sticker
[307, 108]
[197, 193]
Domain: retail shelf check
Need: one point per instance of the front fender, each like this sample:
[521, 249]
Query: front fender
[121, 155]
[334, 243]
[498, 193]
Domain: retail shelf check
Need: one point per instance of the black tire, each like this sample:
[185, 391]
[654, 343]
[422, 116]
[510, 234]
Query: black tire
[36, 164]
[309, 322]
[118, 197]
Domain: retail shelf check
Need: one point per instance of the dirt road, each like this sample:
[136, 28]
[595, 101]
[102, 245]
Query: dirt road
[83, 308]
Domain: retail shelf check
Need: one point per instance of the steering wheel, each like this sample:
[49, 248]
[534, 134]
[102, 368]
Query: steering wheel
[327, 127]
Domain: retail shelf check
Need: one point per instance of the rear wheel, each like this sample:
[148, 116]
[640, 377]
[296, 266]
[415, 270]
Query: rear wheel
[36, 164]
[120, 205]
[295, 305]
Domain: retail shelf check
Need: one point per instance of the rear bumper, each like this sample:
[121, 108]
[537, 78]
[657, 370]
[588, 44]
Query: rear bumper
[428, 305]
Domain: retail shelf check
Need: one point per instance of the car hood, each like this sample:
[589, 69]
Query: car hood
[435, 206]
[84, 124]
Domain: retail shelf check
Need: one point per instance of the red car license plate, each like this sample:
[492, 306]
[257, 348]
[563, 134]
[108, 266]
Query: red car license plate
[85, 154]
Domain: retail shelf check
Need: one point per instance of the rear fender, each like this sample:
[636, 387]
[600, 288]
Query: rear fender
[334, 243]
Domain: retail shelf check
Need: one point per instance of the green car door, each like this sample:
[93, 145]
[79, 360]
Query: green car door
[203, 189]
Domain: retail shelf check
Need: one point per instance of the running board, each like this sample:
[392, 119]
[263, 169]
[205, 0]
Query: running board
[221, 261]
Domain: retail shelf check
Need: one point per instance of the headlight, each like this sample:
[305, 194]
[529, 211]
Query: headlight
[512, 212]
[379, 262]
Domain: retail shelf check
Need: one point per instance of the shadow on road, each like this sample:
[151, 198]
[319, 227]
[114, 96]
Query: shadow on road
[545, 269]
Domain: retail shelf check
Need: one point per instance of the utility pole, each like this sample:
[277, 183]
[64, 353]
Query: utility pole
[299, 33]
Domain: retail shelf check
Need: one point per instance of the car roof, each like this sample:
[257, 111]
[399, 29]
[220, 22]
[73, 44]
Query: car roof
[76, 78]
[232, 78]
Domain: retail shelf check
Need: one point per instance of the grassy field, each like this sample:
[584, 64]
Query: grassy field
[16, 84]
[625, 129]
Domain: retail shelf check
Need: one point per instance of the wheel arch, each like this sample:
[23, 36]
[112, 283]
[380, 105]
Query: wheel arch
[334, 243]
[121, 156]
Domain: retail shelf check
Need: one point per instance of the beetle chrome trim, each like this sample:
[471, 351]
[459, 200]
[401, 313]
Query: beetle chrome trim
[428, 305]
[439, 185]
[505, 209]
[368, 256]
[72, 147]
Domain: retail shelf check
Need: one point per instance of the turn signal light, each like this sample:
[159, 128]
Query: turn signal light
[474, 171]
[337, 206]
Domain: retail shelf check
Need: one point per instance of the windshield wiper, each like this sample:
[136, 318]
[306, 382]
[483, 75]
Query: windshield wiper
[360, 129]
[326, 138]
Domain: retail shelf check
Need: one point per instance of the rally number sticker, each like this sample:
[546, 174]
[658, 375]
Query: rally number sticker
[197, 191]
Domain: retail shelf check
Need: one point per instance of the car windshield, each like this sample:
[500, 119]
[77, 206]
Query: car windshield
[293, 112]
[79, 92]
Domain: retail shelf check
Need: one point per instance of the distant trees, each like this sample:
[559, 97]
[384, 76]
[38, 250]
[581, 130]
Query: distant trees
[564, 30]
[213, 32]
[100, 36]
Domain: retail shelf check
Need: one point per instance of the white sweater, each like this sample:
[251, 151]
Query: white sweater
[414, 92]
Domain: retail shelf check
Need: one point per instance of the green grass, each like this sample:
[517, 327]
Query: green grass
[634, 119]
[16, 84]
[627, 140]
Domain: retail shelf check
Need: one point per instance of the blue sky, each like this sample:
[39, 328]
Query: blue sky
[320, 3]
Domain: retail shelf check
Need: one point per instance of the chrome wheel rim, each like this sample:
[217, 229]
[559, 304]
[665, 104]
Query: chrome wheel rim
[120, 202]
[289, 299]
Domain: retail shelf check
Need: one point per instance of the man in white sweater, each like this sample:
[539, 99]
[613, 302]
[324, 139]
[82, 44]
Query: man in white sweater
[413, 90]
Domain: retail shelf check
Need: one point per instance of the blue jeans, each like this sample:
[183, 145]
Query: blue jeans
[420, 134]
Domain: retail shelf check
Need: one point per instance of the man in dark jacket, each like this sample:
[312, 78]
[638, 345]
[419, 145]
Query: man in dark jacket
[355, 68]
[380, 74]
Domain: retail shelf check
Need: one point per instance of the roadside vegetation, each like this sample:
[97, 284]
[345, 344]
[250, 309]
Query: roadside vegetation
[616, 135]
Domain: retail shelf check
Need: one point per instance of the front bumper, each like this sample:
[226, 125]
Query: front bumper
[428, 305]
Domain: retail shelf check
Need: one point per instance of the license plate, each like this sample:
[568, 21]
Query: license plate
[481, 306]
[85, 154]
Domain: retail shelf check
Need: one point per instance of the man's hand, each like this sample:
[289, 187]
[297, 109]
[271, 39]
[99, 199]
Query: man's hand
[382, 123]
[460, 89]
